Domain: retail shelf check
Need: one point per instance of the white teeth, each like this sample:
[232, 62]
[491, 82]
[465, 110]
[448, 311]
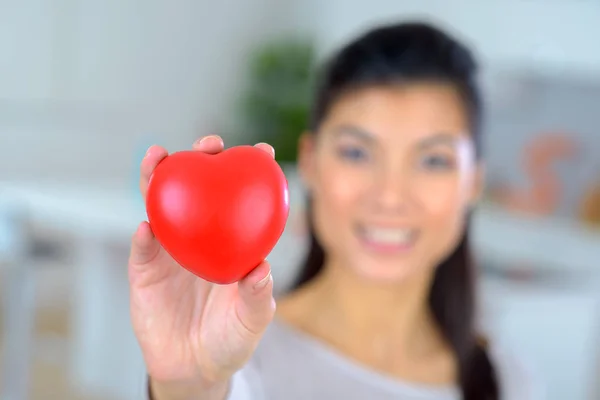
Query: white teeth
[389, 236]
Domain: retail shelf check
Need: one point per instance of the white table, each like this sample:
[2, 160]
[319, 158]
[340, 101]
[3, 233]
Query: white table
[106, 358]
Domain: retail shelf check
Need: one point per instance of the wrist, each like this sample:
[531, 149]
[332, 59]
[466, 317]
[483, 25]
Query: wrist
[159, 390]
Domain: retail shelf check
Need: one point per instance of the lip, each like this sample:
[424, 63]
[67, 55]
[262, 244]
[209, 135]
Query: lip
[383, 247]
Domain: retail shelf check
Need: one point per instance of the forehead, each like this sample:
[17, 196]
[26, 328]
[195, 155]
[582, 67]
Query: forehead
[402, 111]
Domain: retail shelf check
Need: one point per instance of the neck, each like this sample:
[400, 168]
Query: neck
[387, 316]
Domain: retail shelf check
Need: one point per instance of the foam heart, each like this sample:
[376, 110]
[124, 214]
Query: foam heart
[220, 215]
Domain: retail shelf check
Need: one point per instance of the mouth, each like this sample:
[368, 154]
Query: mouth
[386, 240]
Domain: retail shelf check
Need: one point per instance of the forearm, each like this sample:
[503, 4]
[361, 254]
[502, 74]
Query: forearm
[184, 391]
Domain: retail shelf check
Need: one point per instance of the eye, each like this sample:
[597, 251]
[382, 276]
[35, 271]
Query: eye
[351, 153]
[437, 162]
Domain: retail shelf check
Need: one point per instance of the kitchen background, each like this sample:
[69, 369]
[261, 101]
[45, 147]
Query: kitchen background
[86, 87]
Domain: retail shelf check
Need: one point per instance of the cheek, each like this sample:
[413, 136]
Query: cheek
[336, 196]
[339, 193]
[443, 208]
[443, 203]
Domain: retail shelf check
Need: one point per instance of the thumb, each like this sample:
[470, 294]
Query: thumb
[255, 305]
[144, 246]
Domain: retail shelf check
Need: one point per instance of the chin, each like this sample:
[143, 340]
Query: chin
[385, 273]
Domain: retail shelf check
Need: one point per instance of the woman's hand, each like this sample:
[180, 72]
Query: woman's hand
[194, 335]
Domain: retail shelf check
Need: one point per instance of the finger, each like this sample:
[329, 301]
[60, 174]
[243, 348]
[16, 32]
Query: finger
[266, 147]
[255, 305]
[154, 155]
[212, 144]
[144, 246]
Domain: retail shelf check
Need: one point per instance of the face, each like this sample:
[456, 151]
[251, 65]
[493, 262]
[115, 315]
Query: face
[391, 174]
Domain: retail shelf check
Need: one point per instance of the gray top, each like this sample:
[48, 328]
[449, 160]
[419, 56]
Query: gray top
[291, 365]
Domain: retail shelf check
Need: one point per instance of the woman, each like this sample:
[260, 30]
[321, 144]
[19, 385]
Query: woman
[384, 307]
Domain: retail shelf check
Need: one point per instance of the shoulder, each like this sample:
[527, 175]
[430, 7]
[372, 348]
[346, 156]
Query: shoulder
[516, 377]
[277, 363]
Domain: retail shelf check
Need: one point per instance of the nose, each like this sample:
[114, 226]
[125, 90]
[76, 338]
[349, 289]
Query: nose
[391, 191]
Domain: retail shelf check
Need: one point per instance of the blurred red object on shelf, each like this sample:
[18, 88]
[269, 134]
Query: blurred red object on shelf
[589, 212]
[539, 158]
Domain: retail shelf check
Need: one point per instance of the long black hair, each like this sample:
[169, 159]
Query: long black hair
[405, 53]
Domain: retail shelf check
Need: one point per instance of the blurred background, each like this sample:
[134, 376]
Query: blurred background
[86, 87]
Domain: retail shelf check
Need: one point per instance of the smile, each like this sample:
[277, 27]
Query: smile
[387, 239]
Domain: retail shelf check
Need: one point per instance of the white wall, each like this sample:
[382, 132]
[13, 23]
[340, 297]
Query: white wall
[83, 82]
[560, 35]
[85, 79]
[81, 79]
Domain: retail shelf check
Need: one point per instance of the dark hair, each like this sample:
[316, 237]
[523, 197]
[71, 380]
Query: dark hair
[407, 53]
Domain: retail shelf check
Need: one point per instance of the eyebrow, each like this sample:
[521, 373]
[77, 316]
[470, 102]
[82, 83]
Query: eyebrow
[438, 139]
[350, 130]
[445, 139]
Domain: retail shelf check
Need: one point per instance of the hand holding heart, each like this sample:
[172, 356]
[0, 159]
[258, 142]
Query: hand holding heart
[193, 333]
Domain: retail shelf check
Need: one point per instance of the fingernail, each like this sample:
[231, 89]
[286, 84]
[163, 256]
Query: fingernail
[263, 282]
[271, 149]
[148, 151]
[205, 138]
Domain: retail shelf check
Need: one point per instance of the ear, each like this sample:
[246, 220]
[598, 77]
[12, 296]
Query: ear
[306, 156]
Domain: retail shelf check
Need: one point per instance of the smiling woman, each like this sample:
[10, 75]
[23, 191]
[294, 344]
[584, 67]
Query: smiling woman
[384, 306]
[405, 184]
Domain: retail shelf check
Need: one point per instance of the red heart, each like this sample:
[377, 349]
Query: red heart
[218, 216]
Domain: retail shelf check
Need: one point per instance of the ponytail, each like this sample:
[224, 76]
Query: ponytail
[453, 304]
